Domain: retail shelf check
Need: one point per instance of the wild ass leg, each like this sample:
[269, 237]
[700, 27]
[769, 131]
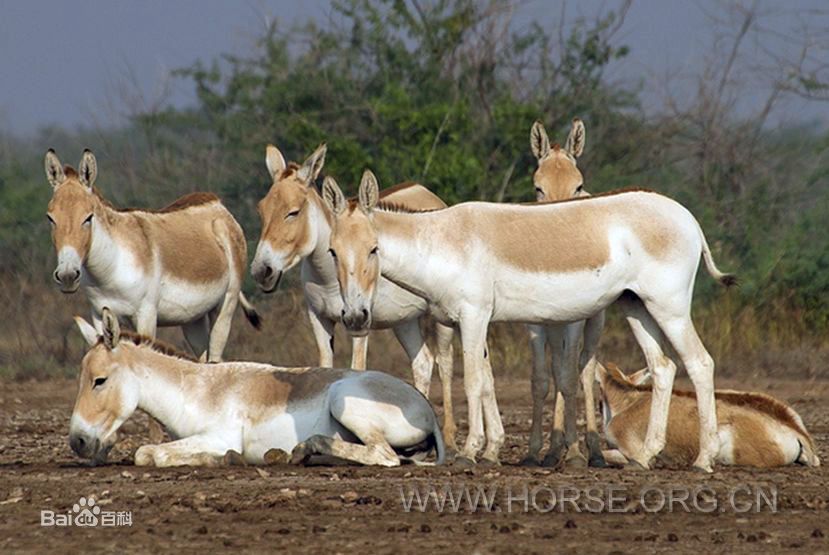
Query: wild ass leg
[409, 336]
[193, 451]
[700, 366]
[564, 344]
[359, 352]
[197, 335]
[445, 358]
[540, 389]
[324, 335]
[376, 450]
[592, 333]
[473, 338]
[220, 330]
[492, 416]
[145, 322]
[651, 341]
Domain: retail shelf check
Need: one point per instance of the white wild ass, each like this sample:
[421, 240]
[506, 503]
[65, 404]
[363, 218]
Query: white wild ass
[182, 265]
[296, 227]
[754, 429]
[558, 178]
[243, 408]
[546, 263]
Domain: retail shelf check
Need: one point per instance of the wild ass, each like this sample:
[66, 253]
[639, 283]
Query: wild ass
[296, 227]
[754, 429]
[546, 263]
[244, 407]
[558, 178]
[182, 265]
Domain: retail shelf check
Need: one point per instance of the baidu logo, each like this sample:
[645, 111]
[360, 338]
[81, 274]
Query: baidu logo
[86, 513]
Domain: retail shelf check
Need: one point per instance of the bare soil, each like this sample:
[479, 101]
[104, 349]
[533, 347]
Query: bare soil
[352, 509]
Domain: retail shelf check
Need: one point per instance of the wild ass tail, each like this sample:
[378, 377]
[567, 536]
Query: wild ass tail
[250, 312]
[726, 279]
[440, 447]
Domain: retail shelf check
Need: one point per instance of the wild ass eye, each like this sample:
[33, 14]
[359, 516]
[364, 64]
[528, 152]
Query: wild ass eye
[51, 220]
[579, 189]
[99, 382]
[375, 250]
[332, 253]
[88, 220]
[292, 214]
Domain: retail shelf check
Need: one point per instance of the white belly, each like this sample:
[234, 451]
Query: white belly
[181, 302]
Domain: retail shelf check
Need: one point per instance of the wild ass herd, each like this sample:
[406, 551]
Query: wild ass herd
[391, 259]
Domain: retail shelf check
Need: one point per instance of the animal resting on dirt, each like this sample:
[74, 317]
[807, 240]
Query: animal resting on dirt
[754, 429]
[360, 416]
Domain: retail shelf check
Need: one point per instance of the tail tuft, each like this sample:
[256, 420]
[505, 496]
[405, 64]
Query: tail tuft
[729, 280]
[250, 312]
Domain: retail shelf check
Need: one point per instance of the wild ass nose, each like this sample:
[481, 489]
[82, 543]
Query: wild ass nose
[264, 275]
[356, 320]
[83, 445]
[67, 278]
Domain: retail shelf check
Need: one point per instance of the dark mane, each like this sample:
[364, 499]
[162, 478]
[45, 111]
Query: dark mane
[759, 402]
[156, 345]
[289, 169]
[181, 203]
[69, 171]
[395, 207]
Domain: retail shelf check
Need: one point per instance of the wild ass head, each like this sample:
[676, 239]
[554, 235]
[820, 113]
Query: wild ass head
[557, 177]
[71, 213]
[287, 231]
[354, 249]
[107, 390]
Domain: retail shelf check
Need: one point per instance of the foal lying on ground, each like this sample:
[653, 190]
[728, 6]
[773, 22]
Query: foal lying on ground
[754, 429]
[250, 408]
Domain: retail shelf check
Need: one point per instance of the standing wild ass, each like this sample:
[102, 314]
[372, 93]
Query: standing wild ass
[244, 407]
[296, 227]
[557, 262]
[182, 265]
[558, 178]
[754, 429]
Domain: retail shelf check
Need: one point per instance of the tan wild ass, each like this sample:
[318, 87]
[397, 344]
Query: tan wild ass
[296, 227]
[182, 265]
[249, 408]
[558, 178]
[754, 429]
[557, 262]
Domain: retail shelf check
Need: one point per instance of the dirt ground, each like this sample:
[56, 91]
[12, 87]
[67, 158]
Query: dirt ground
[351, 509]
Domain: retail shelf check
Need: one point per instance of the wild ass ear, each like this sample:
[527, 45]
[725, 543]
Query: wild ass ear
[312, 167]
[539, 142]
[369, 193]
[274, 161]
[88, 168]
[112, 330]
[54, 169]
[575, 140]
[88, 331]
[333, 196]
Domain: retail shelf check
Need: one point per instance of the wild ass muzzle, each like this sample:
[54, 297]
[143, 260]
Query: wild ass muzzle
[754, 429]
[242, 408]
[182, 265]
[296, 229]
[548, 263]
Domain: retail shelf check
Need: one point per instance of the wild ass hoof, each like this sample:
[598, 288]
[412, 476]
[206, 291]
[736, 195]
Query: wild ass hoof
[463, 461]
[530, 460]
[636, 466]
[551, 459]
[575, 461]
[234, 458]
[594, 448]
[557, 448]
[450, 455]
[707, 469]
[277, 456]
[301, 454]
[489, 463]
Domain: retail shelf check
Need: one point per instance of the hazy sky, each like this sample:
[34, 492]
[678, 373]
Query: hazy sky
[63, 62]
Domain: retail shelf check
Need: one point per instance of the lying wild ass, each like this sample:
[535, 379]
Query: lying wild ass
[182, 265]
[557, 262]
[245, 407]
[558, 178]
[296, 227]
[754, 429]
